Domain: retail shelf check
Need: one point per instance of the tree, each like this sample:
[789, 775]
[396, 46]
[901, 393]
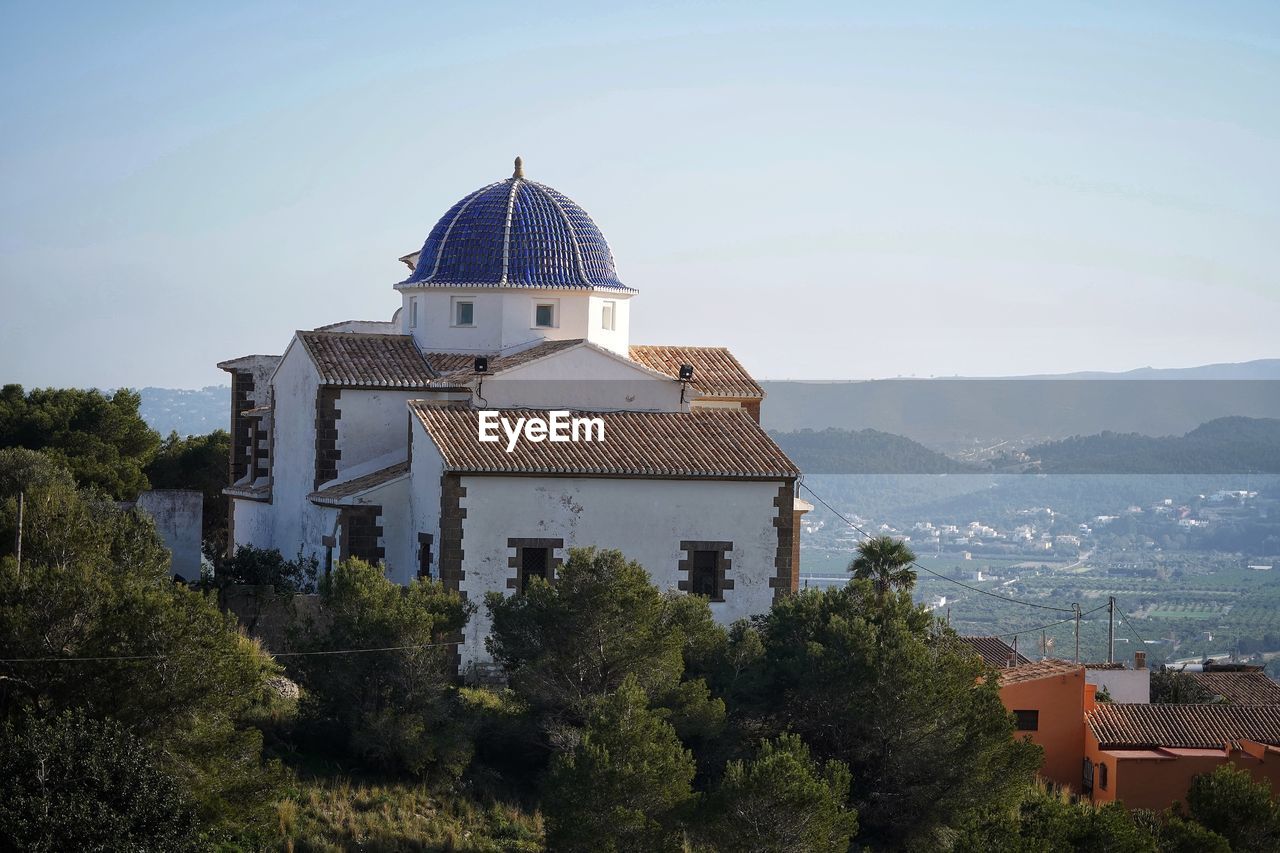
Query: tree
[102, 440]
[626, 784]
[1174, 687]
[878, 683]
[622, 627]
[782, 802]
[93, 593]
[395, 708]
[268, 567]
[198, 462]
[884, 561]
[76, 783]
[1239, 809]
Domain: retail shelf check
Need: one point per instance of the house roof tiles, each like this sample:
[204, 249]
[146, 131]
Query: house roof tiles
[995, 651]
[1240, 688]
[367, 360]
[359, 485]
[1183, 726]
[1036, 670]
[713, 443]
[716, 373]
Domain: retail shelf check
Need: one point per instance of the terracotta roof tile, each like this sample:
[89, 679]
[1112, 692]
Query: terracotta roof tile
[1184, 726]
[714, 443]
[455, 369]
[1239, 688]
[995, 651]
[359, 485]
[359, 359]
[716, 373]
[1036, 670]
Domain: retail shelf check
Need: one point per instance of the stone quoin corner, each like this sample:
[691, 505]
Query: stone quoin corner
[560, 425]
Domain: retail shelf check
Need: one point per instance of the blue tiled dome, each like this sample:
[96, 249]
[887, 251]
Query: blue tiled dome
[516, 233]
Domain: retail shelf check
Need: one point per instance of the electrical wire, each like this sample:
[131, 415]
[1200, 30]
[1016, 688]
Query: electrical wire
[915, 564]
[273, 654]
[1050, 625]
[1125, 617]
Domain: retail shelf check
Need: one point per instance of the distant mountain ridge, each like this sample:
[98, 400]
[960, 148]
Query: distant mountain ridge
[867, 451]
[1231, 445]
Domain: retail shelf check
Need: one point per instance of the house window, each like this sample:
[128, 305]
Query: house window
[705, 566]
[702, 578]
[413, 313]
[1086, 777]
[1102, 776]
[610, 312]
[532, 558]
[464, 312]
[533, 564]
[544, 315]
[1026, 721]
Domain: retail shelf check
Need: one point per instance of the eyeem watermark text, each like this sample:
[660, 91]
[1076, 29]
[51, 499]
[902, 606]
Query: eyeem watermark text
[557, 426]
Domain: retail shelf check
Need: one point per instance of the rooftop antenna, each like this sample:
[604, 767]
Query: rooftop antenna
[518, 174]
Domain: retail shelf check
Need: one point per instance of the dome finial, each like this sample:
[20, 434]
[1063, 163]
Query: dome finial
[519, 172]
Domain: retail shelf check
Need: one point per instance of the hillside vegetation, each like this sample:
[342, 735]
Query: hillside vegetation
[1231, 445]
[865, 451]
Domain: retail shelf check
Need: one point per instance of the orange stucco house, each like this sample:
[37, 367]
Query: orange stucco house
[1047, 700]
[1146, 755]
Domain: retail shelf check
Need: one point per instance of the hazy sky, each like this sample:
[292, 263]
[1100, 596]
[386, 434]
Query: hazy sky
[837, 190]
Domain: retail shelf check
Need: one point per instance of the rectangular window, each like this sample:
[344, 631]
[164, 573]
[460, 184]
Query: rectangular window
[1102, 776]
[610, 312]
[533, 564]
[705, 576]
[464, 313]
[544, 315]
[1026, 721]
[413, 313]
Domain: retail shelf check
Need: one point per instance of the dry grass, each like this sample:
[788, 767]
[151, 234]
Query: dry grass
[338, 815]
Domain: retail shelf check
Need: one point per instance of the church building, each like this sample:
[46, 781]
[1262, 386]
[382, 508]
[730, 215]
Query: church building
[364, 439]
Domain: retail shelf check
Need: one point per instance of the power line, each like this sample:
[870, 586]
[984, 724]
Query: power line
[1050, 625]
[914, 564]
[1125, 617]
[273, 654]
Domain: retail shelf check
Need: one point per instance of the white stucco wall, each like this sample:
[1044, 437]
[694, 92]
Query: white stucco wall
[177, 514]
[424, 494]
[585, 378]
[373, 424]
[297, 523]
[253, 524]
[1127, 686]
[505, 318]
[645, 519]
[619, 339]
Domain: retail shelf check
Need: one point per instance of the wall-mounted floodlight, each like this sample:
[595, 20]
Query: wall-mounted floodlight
[686, 372]
[482, 364]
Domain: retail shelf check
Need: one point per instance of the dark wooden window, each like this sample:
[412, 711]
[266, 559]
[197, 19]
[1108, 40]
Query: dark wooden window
[1102, 776]
[1086, 776]
[704, 578]
[533, 564]
[1026, 721]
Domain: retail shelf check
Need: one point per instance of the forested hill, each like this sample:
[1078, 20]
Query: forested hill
[866, 451]
[1232, 445]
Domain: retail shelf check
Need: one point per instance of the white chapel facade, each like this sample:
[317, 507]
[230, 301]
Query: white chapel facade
[362, 439]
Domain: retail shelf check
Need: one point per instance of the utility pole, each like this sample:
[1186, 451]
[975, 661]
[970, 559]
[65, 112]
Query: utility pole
[1044, 645]
[1111, 629]
[22, 505]
[1076, 607]
[1015, 649]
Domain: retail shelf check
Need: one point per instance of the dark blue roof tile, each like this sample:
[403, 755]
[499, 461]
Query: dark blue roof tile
[516, 233]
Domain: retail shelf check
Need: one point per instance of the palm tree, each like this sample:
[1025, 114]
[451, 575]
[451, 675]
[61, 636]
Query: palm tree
[884, 561]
